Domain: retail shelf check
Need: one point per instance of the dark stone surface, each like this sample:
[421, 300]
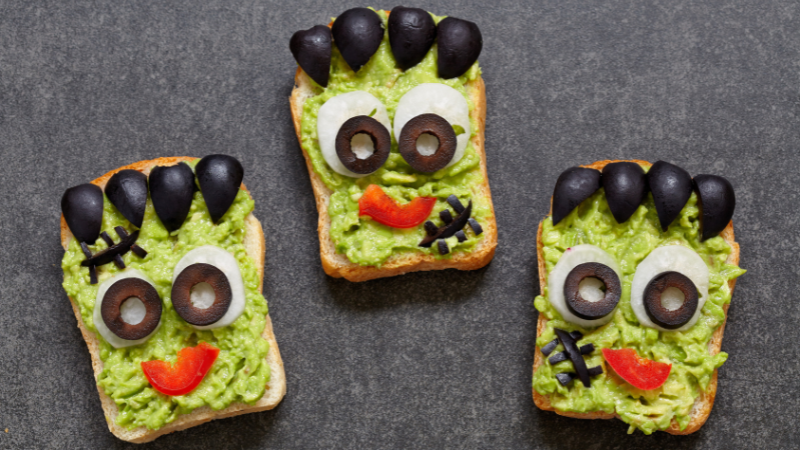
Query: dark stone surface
[432, 360]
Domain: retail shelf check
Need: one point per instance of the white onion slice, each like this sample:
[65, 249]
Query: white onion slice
[225, 262]
[129, 309]
[438, 99]
[338, 110]
[670, 258]
[572, 257]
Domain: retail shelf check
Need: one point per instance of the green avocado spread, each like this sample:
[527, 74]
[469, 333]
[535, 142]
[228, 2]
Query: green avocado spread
[361, 239]
[240, 372]
[688, 351]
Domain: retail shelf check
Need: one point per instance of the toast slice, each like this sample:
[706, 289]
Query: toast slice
[276, 387]
[337, 265]
[704, 402]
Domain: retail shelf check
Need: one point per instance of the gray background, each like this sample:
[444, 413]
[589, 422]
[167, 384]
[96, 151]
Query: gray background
[431, 360]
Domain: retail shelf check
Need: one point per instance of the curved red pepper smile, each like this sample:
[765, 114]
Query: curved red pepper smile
[642, 373]
[383, 209]
[188, 371]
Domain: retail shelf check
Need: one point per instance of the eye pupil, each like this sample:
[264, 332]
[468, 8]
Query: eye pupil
[362, 145]
[202, 295]
[427, 144]
[132, 311]
[672, 298]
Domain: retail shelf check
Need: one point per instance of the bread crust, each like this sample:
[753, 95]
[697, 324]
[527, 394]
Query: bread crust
[337, 265]
[703, 403]
[276, 387]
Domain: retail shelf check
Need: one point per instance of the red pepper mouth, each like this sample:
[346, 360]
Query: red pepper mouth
[641, 373]
[185, 374]
[383, 209]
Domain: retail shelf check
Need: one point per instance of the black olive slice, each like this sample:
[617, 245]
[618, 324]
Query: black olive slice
[625, 184]
[455, 203]
[312, 50]
[565, 378]
[443, 248]
[671, 187]
[358, 33]
[476, 227]
[182, 294]
[446, 216]
[171, 190]
[460, 44]
[220, 177]
[381, 141]
[116, 295]
[549, 347]
[716, 201]
[660, 315]
[127, 191]
[574, 185]
[461, 236]
[438, 127]
[584, 308]
[431, 228]
[411, 34]
[82, 206]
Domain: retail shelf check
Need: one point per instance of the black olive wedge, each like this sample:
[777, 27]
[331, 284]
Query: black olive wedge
[411, 34]
[82, 207]
[312, 50]
[660, 315]
[671, 187]
[182, 294]
[171, 190]
[220, 177]
[574, 185]
[438, 127]
[460, 44]
[114, 298]
[717, 202]
[625, 185]
[586, 309]
[381, 142]
[127, 191]
[358, 33]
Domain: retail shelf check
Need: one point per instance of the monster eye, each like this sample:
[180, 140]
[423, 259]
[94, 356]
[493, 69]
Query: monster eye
[127, 310]
[584, 286]
[670, 288]
[207, 288]
[353, 132]
[420, 126]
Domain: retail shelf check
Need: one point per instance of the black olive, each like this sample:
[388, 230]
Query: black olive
[447, 230]
[574, 185]
[220, 177]
[660, 315]
[584, 308]
[171, 190]
[626, 187]
[116, 295]
[127, 190]
[438, 127]
[575, 355]
[411, 34]
[358, 33]
[381, 141]
[460, 44]
[82, 207]
[182, 294]
[716, 201]
[671, 187]
[312, 50]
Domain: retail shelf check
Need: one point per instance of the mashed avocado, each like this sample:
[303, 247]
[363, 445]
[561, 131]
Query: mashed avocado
[629, 243]
[240, 372]
[365, 241]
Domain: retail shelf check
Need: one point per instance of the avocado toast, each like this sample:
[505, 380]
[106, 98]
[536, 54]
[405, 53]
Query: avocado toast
[358, 247]
[690, 353]
[247, 376]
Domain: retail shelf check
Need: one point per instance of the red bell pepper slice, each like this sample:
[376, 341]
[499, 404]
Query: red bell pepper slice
[188, 371]
[642, 373]
[383, 209]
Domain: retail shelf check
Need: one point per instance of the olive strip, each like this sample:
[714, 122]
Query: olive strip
[139, 251]
[575, 355]
[562, 356]
[92, 268]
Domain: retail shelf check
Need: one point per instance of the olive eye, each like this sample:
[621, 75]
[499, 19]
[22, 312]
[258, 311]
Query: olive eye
[669, 288]
[584, 286]
[207, 288]
[353, 133]
[420, 123]
[127, 310]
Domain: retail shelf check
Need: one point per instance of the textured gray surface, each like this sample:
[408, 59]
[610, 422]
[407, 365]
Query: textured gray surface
[433, 360]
